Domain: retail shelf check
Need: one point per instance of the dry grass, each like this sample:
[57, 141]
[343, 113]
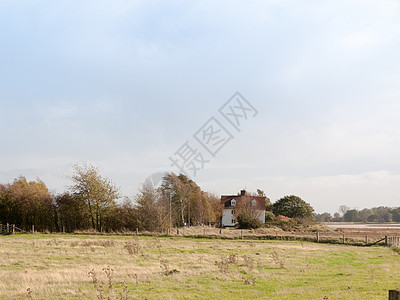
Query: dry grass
[101, 267]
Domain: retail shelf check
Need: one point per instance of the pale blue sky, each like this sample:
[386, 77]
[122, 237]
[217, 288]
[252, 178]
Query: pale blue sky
[123, 84]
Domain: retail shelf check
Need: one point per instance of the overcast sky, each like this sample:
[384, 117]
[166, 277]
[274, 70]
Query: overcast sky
[124, 84]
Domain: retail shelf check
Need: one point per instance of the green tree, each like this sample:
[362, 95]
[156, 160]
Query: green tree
[97, 192]
[351, 215]
[324, 217]
[293, 207]
[396, 214]
[337, 217]
[364, 214]
[382, 213]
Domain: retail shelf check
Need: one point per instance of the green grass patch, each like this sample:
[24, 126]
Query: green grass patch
[57, 267]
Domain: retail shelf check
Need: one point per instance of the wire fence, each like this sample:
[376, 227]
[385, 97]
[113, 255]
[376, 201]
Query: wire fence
[368, 238]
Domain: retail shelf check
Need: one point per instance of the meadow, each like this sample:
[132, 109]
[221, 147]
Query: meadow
[63, 266]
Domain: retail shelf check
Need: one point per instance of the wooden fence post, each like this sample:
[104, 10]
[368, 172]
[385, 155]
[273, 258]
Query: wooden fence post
[8, 228]
[137, 231]
[366, 239]
[317, 237]
[241, 234]
[13, 228]
[394, 295]
[33, 228]
[343, 239]
[386, 240]
[220, 231]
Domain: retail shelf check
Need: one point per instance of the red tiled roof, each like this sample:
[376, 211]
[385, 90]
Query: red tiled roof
[240, 200]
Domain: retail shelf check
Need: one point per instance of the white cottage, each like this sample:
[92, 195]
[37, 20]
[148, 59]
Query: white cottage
[231, 203]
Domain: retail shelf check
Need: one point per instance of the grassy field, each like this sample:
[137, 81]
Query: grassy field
[45, 266]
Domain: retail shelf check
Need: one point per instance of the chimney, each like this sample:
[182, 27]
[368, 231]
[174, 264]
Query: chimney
[243, 193]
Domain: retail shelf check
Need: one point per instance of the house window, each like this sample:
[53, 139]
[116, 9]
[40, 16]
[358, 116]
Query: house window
[233, 211]
[253, 202]
[233, 202]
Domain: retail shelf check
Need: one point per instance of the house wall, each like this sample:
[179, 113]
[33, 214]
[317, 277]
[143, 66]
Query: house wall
[227, 217]
[262, 215]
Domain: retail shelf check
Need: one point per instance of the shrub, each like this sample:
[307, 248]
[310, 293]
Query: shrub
[281, 218]
[248, 221]
[269, 216]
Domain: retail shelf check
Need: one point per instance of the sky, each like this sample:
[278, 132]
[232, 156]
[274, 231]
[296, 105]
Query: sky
[128, 86]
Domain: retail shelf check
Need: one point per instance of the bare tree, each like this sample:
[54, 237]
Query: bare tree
[343, 209]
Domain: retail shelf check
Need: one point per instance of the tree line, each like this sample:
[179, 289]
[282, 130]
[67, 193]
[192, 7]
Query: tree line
[381, 214]
[94, 203]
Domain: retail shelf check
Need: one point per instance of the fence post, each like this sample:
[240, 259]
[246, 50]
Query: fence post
[343, 239]
[13, 228]
[33, 228]
[137, 231]
[220, 231]
[317, 237]
[394, 295]
[386, 240]
[366, 239]
[241, 234]
[8, 228]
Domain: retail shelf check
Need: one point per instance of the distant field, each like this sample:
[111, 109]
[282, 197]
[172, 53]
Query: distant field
[76, 267]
